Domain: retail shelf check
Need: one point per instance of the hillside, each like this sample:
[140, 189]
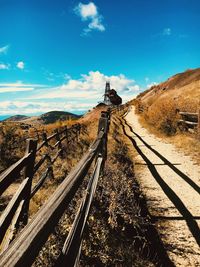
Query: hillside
[159, 103]
[46, 118]
[17, 118]
[182, 87]
[53, 116]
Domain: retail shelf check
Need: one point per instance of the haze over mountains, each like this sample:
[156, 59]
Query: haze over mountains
[46, 118]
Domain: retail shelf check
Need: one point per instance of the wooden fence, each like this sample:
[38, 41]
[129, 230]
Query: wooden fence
[16, 212]
[25, 248]
[190, 120]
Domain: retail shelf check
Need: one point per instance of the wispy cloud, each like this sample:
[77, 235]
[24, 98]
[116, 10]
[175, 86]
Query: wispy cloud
[30, 107]
[74, 95]
[51, 76]
[151, 84]
[15, 89]
[21, 84]
[20, 65]
[4, 66]
[167, 32]
[183, 36]
[4, 49]
[18, 87]
[91, 86]
[89, 12]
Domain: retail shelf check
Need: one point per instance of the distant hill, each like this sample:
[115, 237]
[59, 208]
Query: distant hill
[182, 85]
[53, 116]
[17, 118]
[46, 118]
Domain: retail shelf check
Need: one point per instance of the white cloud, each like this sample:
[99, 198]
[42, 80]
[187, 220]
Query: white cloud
[20, 65]
[74, 95]
[89, 12]
[50, 76]
[21, 84]
[18, 87]
[66, 76]
[96, 24]
[167, 32]
[91, 86]
[15, 89]
[4, 66]
[30, 107]
[4, 49]
[183, 36]
[151, 84]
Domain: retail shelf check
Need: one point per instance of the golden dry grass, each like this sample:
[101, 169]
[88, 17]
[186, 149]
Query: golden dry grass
[158, 105]
[114, 225]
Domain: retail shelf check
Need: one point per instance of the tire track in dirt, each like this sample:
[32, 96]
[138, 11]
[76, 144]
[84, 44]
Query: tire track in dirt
[172, 192]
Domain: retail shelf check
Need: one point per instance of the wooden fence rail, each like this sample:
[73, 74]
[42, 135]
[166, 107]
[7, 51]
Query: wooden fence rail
[12, 173]
[190, 120]
[24, 249]
[9, 220]
[71, 249]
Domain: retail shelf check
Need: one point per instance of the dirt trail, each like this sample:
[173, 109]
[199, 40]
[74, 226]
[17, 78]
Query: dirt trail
[171, 184]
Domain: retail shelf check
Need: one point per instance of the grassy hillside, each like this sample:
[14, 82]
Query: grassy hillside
[158, 105]
[157, 108]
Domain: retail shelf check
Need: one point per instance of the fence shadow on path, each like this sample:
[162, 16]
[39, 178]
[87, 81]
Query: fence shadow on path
[188, 217]
[166, 161]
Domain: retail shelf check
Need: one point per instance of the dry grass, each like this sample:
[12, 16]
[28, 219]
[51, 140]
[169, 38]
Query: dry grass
[158, 105]
[162, 114]
[114, 235]
[114, 219]
[189, 145]
[161, 120]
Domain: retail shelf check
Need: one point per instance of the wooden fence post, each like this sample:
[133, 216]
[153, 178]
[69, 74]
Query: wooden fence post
[104, 124]
[76, 132]
[66, 133]
[58, 139]
[59, 144]
[50, 167]
[28, 173]
[44, 137]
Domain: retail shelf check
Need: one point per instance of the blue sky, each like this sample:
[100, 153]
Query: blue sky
[57, 55]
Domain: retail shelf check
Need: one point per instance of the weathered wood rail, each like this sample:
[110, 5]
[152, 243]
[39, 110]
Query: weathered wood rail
[190, 120]
[23, 250]
[17, 210]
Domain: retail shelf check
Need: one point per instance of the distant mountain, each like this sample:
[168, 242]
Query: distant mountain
[53, 116]
[17, 118]
[3, 117]
[46, 118]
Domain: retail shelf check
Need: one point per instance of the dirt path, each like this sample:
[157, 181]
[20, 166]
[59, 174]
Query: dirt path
[171, 184]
